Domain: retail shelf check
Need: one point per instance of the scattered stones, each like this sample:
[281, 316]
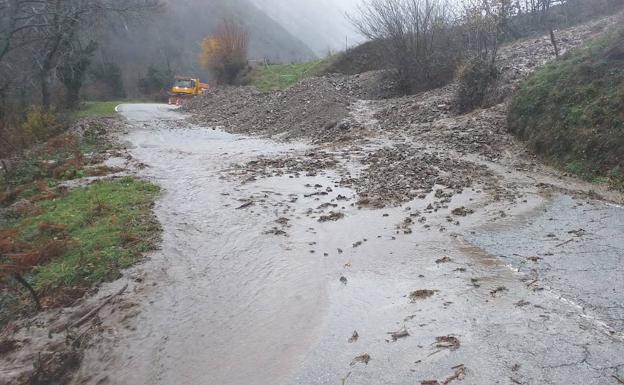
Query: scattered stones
[309, 164]
[421, 294]
[498, 290]
[245, 205]
[276, 231]
[444, 259]
[462, 211]
[396, 175]
[363, 359]
[447, 342]
[354, 337]
[403, 333]
[333, 216]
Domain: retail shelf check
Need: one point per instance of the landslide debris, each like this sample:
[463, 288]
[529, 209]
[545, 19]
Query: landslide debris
[314, 109]
[399, 174]
[432, 118]
[309, 164]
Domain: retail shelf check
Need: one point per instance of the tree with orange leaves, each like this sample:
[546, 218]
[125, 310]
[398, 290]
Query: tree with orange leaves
[224, 53]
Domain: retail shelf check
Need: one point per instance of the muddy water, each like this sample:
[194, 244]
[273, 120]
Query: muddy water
[574, 248]
[228, 301]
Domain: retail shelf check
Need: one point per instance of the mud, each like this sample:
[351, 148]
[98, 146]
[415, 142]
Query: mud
[289, 262]
[272, 294]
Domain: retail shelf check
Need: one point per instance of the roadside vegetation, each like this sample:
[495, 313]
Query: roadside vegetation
[47, 66]
[96, 109]
[56, 242]
[277, 77]
[571, 112]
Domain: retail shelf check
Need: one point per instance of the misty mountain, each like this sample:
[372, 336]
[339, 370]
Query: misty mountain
[171, 39]
[321, 24]
[269, 40]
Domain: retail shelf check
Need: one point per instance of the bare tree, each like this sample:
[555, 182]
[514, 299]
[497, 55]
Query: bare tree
[224, 53]
[418, 38]
[50, 30]
[72, 70]
[61, 23]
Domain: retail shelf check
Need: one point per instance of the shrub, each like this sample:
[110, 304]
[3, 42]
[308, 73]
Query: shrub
[40, 124]
[108, 81]
[417, 38]
[475, 76]
[224, 53]
[156, 81]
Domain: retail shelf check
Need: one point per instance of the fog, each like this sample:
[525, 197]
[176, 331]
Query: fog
[321, 24]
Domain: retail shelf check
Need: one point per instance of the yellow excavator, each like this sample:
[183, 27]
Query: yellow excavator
[185, 88]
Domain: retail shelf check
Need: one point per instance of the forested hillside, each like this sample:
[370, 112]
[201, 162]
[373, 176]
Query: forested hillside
[170, 40]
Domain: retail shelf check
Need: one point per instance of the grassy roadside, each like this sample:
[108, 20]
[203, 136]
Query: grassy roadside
[61, 240]
[571, 112]
[96, 109]
[276, 77]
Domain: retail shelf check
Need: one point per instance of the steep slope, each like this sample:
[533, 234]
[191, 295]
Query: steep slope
[572, 111]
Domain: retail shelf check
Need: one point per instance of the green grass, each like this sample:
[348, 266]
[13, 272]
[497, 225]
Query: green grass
[108, 226]
[102, 229]
[96, 109]
[275, 77]
[77, 238]
[571, 112]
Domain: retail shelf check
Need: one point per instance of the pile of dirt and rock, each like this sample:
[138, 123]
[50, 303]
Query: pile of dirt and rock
[308, 164]
[516, 61]
[314, 109]
[399, 174]
[370, 85]
[426, 107]
[481, 132]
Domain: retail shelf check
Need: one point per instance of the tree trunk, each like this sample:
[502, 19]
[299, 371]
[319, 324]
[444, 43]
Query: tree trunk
[45, 89]
[553, 40]
[72, 96]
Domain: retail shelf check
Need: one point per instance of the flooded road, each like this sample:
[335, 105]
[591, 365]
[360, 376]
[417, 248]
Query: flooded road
[254, 286]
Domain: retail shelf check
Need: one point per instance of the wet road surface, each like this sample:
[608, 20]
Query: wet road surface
[228, 300]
